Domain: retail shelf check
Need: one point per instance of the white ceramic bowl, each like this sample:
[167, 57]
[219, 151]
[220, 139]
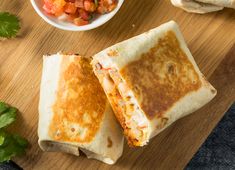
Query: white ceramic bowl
[66, 25]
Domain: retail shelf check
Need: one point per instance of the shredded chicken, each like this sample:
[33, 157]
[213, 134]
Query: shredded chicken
[124, 102]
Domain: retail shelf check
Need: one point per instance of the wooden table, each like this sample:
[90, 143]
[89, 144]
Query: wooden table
[209, 37]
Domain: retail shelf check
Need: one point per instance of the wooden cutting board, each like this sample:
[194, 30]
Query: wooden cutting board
[209, 37]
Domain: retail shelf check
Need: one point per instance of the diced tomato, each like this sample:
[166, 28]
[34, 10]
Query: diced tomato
[58, 11]
[79, 21]
[84, 14]
[101, 10]
[59, 3]
[47, 10]
[79, 3]
[89, 6]
[78, 11]
[106, 6]
[112, 7]
[58, 7]
[54, 7]
[48, 4]
[70, 8]
[71, 17]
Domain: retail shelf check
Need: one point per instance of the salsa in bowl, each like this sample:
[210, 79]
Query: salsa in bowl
[76, 15]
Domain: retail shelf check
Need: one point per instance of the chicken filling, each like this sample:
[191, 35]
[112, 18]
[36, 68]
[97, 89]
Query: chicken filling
[124, 103]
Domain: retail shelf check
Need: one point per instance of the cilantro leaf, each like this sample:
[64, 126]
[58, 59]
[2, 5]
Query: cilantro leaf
[20, 140]
[13, 145]
[2, 138]
[10, 144]
[8, 117]
[3, 107]
[9, 25]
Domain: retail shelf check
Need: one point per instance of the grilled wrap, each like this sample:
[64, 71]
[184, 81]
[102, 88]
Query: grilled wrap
[196, 6]
[74, 113]
[222, 3]
[151, 80]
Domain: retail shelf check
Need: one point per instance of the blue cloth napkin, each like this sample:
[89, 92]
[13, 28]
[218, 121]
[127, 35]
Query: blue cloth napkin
[218, 151]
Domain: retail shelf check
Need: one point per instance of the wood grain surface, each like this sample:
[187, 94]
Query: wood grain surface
[209, 36]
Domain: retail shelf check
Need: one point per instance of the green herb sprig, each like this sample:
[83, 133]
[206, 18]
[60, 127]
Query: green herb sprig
[9, 25]
[10, 144]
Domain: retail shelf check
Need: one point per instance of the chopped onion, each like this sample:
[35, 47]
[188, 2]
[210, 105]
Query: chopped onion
[63, 17]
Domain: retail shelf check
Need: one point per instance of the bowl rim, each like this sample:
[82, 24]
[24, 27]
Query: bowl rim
[76, 28]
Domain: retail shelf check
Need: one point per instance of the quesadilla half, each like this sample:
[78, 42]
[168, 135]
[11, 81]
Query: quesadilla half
[151, 80]
[74, 113]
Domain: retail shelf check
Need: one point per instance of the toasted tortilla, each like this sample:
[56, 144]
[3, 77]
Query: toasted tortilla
[195, 6]
[222, 3]
[74, 113]
[151, 81]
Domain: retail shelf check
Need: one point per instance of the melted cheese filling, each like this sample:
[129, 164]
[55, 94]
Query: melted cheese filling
[124, 102]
